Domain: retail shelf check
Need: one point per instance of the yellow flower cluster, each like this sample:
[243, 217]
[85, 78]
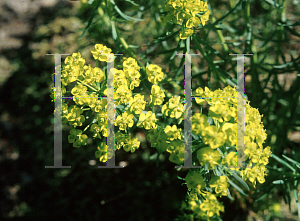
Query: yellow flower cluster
[188, 14]
[218, 140]
[224, 113]
[173, 108]
[216, 131]
[87, 92]
[207, 209]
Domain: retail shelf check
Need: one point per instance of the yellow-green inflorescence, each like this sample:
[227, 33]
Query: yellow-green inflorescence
[187, 13]
[216, 131]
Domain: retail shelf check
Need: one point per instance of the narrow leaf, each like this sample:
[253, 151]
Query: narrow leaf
[282, 162]
[274, 3]
[113, 30]
[229, 195]
[278, 182]
[292, 161]
[90, 19]
[237, 187]
[126, 17]
[180, 178]
[152, 157]
[212, 49]
[132, 2]
[240, 180]
[261, 197]
[195, 137]
[293, 32]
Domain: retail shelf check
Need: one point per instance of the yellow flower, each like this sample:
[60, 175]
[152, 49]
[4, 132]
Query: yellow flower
[100, 53]
[125, 120]
[186, 33]
[147, 120]
[154, 73]
[157, 95]
[255, 173]
[173, 108]
[131, 144]
[137, 105]
[173, 132]
[78, 60]
[200, 93]
[193, 22]
[77, 138]
[101, 153]
[78, 90]
[123, 95]
[131, 71]
[231, 160]
[186, 14]
[204, 18]
[220, 184]
[230, 131]
[210, 206]
[199, 123]
[213, 137]
[203, 6]
[276, 207]
[178, 152]
[131, 63]
[96, 130]
[210, 156]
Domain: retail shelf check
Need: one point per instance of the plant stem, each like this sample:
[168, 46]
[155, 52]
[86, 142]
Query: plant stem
[128, 50]
[209, 61]
[221, 37]
[255, 83]
[81, 82]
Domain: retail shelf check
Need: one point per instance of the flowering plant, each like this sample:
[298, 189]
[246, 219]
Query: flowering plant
[188, 14]
[214, 148]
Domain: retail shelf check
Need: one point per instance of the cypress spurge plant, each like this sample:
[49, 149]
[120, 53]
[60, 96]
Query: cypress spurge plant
[214, 148]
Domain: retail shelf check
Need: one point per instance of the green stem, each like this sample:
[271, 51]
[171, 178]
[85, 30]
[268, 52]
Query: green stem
[211, 64]
[88, 125]
[144, 78]
[81, 82]
[255, 83]
[128, 50]
[221, 37]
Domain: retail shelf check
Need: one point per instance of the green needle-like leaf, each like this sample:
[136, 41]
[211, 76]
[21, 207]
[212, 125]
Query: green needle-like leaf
[237, 187]
[282, 162]
[292, 161]
[90, 19]
[240, 180]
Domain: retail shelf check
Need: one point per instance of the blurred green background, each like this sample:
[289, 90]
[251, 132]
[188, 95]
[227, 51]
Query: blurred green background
[140, 191]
